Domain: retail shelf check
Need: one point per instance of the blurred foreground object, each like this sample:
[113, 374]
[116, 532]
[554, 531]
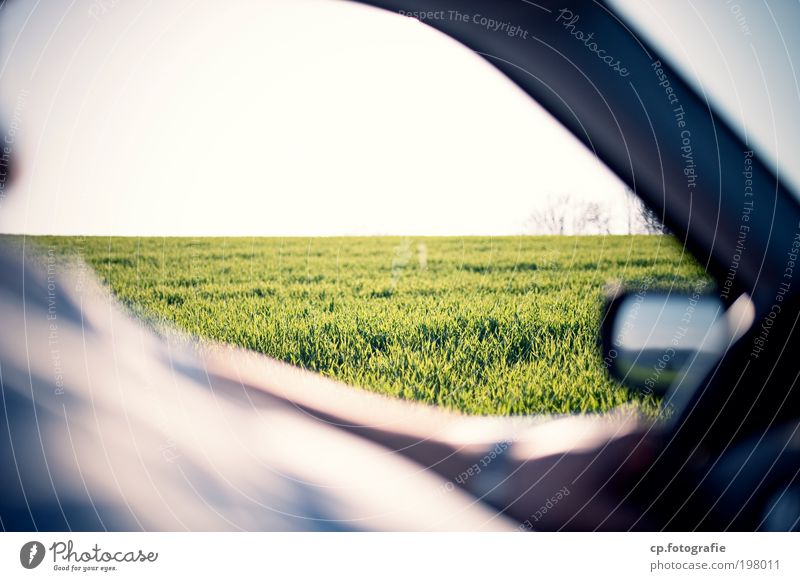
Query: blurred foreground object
[110, 427]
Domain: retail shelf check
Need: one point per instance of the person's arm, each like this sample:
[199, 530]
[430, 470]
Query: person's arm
[442, 440]
[515, 464]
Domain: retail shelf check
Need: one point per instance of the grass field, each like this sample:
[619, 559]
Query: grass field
[480, 325]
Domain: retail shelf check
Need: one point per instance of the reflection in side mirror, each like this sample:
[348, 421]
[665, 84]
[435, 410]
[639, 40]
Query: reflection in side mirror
[654, 340]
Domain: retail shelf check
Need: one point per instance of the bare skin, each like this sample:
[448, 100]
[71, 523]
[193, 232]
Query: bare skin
[516, 465]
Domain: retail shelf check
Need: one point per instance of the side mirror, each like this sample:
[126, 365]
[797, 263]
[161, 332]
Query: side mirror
[652, 340]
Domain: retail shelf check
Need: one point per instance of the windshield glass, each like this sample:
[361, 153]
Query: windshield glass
[742, 59]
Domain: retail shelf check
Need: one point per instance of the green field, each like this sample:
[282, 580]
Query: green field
[480, 325]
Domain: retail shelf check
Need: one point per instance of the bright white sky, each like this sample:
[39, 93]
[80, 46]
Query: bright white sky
[291, 117]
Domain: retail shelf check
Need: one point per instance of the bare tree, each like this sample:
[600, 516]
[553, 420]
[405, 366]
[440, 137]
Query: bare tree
[632, 203]
[551, 218]
[641, 218]
[563, 214]
[652, 223]
[596, 218]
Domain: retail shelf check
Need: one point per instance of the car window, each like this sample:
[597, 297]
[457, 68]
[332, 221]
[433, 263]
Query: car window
[403, 219]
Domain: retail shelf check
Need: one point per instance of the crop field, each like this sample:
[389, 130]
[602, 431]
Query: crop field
[481, 325]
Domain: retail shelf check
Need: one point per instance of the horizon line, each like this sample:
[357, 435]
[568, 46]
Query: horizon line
[299, 236]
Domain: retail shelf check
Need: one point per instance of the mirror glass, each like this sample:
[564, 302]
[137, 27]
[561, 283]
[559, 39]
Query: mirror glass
[660, 339]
